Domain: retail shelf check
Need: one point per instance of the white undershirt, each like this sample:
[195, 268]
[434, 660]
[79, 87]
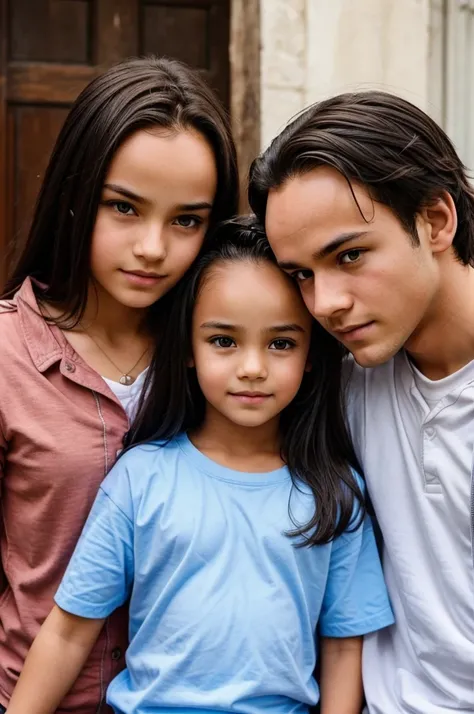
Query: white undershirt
[128, 394]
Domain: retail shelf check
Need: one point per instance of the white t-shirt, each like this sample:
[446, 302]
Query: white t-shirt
[128, 395]
[415, 439]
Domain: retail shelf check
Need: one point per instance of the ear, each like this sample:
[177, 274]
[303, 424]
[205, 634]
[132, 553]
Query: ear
[308, 366]
[190, 363]
[439, 222]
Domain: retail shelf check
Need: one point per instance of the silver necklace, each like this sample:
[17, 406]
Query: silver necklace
[125, 378]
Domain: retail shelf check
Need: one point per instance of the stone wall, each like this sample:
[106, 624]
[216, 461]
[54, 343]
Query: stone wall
[314, 48]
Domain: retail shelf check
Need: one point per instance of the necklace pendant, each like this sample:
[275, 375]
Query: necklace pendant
[126, 379]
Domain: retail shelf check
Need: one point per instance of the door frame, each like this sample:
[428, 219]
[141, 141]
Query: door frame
[245, 86]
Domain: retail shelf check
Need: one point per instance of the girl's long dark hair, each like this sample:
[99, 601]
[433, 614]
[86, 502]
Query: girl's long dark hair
[315, 443]
[135, 94]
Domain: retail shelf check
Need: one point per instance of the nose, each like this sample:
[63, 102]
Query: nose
[327, 298]
[151, 244]
[252, 366]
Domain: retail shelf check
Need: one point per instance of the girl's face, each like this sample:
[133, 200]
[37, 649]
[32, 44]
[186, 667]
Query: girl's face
[153, 216]
[250, 338]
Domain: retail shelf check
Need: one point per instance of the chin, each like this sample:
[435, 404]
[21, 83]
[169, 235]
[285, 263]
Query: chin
[251, 422]
[139, 302]
[374, 355]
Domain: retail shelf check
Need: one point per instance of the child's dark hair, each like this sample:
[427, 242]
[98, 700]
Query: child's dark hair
[315, 443]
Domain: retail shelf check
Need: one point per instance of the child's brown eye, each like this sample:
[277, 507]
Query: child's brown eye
[223, 342]
[281, 345]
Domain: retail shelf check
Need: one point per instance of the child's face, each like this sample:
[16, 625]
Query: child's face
[250, 338]
[154, 213]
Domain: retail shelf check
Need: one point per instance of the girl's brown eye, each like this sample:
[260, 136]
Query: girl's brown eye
[123, 207]
[188, 221]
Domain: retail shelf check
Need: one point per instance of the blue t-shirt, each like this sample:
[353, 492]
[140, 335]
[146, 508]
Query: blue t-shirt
[223, 607]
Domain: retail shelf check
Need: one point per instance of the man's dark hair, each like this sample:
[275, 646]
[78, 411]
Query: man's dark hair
[401, 156]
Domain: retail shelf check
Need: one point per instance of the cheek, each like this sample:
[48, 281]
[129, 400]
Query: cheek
[211, 369]
[289, 373]
[183, 251]
[401, 287]
[105, 242]
[306, 289]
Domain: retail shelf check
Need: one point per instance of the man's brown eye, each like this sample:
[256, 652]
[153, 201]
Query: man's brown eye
[352, 256]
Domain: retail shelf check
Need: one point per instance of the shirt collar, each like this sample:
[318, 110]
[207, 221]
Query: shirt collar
[45, 343]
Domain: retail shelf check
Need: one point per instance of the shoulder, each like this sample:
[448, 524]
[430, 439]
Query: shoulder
[7, 307]
[361, 384]
[356, 377]
[146, 456]
[142, 468]
[13, 348]
[9, 319]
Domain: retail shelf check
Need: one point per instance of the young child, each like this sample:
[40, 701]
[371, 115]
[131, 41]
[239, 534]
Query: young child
[143, 167]
[238, 531]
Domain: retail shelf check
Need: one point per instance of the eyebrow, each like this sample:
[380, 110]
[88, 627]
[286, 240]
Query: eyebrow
[124, 192]
[198, 206]
[286, 327]
[328, 249]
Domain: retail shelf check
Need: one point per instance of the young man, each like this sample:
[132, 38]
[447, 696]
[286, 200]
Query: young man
[367, 205]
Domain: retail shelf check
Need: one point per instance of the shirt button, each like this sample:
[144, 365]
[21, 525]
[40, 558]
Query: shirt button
[430, 432]
[70, 367]
[116, 653]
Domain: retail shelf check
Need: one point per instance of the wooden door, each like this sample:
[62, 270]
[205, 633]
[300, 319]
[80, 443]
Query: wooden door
[50, 49]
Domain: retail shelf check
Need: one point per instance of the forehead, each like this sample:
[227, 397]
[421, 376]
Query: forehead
[179, 162]
[310, 210]
[250, 293]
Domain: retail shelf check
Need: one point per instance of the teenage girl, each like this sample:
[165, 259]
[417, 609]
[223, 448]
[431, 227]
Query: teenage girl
[238, 531]
[143, 166]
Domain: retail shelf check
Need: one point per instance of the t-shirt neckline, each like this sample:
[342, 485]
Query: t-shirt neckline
[224, 473]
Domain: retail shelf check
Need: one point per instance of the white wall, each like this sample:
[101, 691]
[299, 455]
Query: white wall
[314, 48]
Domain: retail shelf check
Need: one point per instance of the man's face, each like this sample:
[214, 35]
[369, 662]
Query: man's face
[364, 280]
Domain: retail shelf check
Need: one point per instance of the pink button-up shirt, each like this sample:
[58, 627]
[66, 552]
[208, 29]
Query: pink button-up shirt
[60, 431]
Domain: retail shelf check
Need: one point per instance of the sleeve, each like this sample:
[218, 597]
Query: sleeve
[355, 600]
[100, 574]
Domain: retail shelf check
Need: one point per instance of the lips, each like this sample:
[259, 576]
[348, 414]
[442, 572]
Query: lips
[353, 332]
[143, 274]
[142, 279]
[250, 394]
[247, 397]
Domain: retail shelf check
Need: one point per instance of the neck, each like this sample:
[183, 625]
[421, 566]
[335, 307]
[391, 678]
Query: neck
[109, 320]
[253, 448]
[444, 341]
